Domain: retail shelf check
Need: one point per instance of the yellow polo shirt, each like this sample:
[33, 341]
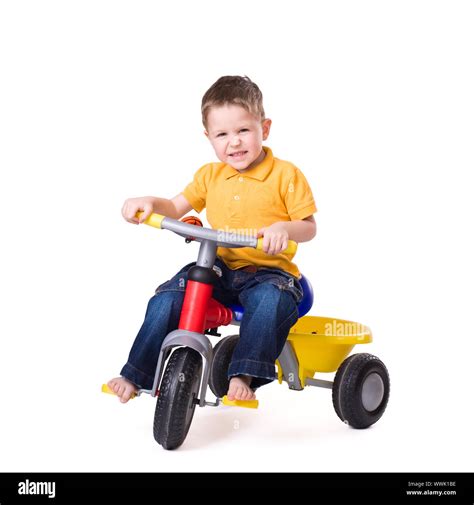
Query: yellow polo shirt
[275, 190]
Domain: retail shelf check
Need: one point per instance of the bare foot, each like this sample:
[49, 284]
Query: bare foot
[239, 388]
[122, 388]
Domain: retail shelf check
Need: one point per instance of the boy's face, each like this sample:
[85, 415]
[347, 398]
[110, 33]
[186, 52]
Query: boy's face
[236, 136]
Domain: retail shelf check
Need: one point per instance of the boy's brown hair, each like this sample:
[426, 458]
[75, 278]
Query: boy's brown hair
[236, 90]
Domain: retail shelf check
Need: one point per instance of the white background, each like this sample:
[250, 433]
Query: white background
[100, 101]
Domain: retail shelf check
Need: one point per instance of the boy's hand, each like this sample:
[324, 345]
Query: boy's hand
[275, 238]
[133, 205]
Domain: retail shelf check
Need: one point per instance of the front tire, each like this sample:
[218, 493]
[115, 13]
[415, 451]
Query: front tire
[177, 398]
[360, 391]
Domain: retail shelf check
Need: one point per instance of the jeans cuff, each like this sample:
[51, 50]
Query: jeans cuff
[262, 371]
[139, 378]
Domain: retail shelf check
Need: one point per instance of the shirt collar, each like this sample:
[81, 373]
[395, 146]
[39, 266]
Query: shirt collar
[260, 172]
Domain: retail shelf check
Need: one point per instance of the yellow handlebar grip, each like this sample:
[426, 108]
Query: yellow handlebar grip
[152, 220]
[249, 404]
[291, 249]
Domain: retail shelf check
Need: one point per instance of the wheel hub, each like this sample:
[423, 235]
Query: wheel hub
[372, 392]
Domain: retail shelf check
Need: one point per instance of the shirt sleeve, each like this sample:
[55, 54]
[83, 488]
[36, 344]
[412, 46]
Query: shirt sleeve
[299, 199]
[196, 191]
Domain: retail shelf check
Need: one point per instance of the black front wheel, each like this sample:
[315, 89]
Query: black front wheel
[360, 391]
[177, 397]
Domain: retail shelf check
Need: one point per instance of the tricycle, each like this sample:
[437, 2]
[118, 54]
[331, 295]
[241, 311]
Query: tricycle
[188, 363]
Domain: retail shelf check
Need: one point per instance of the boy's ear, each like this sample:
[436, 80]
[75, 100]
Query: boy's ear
[206, 133]
[266, 125]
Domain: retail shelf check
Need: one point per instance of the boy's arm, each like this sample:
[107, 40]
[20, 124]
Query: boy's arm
[175, 208]
[276, 236]
[302, 230]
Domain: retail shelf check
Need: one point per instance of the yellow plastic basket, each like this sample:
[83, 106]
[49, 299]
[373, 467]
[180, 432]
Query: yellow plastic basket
[322, 343]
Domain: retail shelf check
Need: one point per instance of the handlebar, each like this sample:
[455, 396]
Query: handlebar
[221, 238]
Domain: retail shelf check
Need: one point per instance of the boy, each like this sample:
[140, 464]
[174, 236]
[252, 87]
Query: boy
[249, 190]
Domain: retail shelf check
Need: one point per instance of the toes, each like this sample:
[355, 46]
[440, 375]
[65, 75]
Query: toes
[112, 385]
[234, 394]
[125, 395]
[122, 388]
[247, 394]
[118, 389]
[231, 394]
[240, 390]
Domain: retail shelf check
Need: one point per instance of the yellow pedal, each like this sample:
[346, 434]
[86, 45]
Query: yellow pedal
[248, 404]
[106, 389]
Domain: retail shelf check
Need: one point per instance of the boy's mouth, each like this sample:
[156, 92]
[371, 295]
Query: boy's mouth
[238, 154]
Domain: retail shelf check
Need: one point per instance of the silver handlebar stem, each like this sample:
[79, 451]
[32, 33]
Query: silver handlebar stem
[220, 238]
[207, 254]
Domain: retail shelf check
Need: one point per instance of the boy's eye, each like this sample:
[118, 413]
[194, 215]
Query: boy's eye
[244, 130]
[220, 135]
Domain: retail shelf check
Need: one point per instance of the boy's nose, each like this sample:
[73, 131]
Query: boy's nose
[235, 140]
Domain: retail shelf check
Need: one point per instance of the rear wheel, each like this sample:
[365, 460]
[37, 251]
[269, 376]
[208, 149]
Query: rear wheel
[177, 397]
[222, 355]
[360, 391]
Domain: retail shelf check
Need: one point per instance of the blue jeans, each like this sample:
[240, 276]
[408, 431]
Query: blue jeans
[269, 297]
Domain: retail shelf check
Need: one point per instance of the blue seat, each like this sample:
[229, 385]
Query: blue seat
[303, 307]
